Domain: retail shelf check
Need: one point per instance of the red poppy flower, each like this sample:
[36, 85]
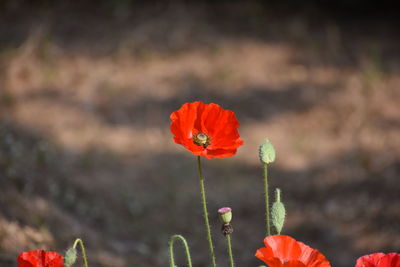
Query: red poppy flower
[284, 251]
[206, 130]
[379, 260]
[40, 258]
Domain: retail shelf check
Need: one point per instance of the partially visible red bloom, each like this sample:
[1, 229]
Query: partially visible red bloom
[284, 251]
[379, 260]
[206, 130]
[40, 258]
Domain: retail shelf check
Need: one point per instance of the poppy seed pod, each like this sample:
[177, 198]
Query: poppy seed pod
[266, 152]
[225, 214]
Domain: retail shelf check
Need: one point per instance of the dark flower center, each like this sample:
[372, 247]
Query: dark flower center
[201, 139]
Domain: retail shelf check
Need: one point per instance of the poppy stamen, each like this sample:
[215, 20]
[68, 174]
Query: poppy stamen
[201, 139]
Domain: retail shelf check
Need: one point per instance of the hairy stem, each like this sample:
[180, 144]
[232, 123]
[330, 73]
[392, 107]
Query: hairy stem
[80, 242]
[266, 192]
[171, 250]
[229, 246]
[205, 213]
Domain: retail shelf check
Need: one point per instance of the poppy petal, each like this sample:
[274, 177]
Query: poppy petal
[369, 260]
[312, 257]
[221, 153]
[285, 251]
[40, 258]
[390, 260]
[267, 256]
[294, 263]
[379, 260]
[284, 247]
[183, 121]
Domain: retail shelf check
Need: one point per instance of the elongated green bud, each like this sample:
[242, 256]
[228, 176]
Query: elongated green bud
[267, 152]
[278, 212]
[70, 257]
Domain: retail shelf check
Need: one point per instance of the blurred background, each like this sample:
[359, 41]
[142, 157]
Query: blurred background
[87, 87]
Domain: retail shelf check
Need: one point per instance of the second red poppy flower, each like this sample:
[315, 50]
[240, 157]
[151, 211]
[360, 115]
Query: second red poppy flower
[285, 251]
[40, 258]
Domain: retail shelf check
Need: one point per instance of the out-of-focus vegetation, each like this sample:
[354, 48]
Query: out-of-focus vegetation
[86, 89]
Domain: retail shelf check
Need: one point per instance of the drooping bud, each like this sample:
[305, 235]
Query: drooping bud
[70, 256]
[266, 152]
[278, 212]
[225, 214]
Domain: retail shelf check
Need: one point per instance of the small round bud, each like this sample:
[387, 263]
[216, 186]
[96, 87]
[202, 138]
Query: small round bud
[70, 257]
[225, 214]
[266, 152]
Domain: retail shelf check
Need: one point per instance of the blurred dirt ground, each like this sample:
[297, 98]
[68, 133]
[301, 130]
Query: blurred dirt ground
[86, 151]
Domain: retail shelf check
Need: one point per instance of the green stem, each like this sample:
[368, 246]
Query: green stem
[228, 242]
[78, 240]
[171, 250]
[266, 192]
[205, 213]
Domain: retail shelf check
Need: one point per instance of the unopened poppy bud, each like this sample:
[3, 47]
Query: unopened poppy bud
[278, 212]
[225, 214]
[70, 257]
[266, 152]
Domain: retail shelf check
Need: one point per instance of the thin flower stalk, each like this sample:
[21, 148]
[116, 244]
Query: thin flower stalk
[171, 250]
[80, 242]
[266, 192]
[230, 254]
[205, 212]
